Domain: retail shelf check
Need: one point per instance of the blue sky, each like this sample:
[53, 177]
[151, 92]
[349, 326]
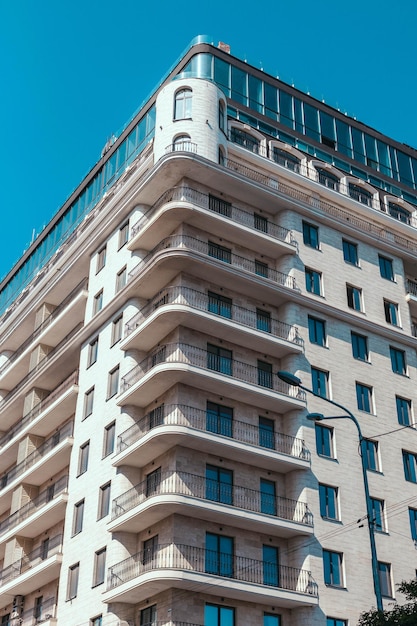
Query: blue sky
[74, 71]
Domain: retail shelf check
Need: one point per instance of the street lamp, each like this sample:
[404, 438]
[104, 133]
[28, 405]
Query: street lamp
[291, 379]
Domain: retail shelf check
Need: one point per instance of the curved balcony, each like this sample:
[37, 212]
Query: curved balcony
[175, 492]
[183, 363]
[183, 306]
[172, 425]
[175, 253]
[34, 570]
[197, 569]
[212, 215]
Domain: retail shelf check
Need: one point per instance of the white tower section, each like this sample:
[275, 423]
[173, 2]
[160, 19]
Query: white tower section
[191, 116]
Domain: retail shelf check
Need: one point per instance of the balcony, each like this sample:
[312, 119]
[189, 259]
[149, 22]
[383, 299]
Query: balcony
[190, 568]
[175, 253]
[183, 306]
[202, 498]
[182, 363]
[171, 425]
[214, 216]
[33, 571]
[44, 614]
[411, 295]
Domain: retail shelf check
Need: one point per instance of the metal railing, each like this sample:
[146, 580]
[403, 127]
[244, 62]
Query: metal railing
[213, 204]
[191, 417]
[411, 287]
[204, 302]
[186, 242]
[48, 548]
[38, 614]
[189, 558]
[183, 145]
[186, 484]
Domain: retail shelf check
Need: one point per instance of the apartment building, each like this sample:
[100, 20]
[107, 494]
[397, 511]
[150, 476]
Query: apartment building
[154, 469]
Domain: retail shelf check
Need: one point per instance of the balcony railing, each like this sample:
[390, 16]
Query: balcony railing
[190, 558]
[36, 455]
[185, 484]
[190, 417]
[204, 302]
[174, 353]
[225, 209]
[48, 548]
[41, 406]
[39, 614]
[411, 287]
[186, 242]
[184, 145]
[46, 496]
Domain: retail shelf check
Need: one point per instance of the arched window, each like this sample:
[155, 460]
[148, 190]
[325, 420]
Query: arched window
[360, 194]
[182, 142]
[328, 179]
[183, 101]
[397, 211]
[221, 115]
[244, 139]
[288, 160]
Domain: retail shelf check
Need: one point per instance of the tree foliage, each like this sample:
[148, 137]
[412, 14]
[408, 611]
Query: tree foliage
[398, 615]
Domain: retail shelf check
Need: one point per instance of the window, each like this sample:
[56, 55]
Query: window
[384, 574]
[96, 621]
[73, 573]
[266, 433]
[101, 259]
[83, 458]
[88, 402]
[263, 320]
[109, 437]
[219, 252]
[219, 555]
[329, 502]
[350, 252]
[320, 382]
[410, 465]
[284, 158]
[153, 482]
[116, 330]
[218, 205]
[398, 361]
[360, 194]
[334, 621]
[385, 267]
[219, 419]
[98, 302]
[221, 115]
[92, 352]
[260, 222]
[156, 416]
[219, 484]
[182, 143]
[99, 567]
[148, 616]
[123, 235]
[359, 346]
[244, 139]
[271, 620]
[311, 235]
[215, 615]
[324, 441]
[317, 331]
[403, 411]
[113, 382]
[261, 268]
[270, 564]
[219, 305]
[38, 608]
[121, 279]
[182, 106]
[268, 497]
[313, 281]
[77, 523]
[391, 312]
[332, 562]
[399, 213]
[104, 500]
[325, 177]
[354, 297]
[264, 374]
[371, 456]
[364, 397]
[219, 359]
[150, 549]
[413, 523]
[378, 518]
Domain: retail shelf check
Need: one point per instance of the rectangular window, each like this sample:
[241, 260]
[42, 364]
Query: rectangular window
[271, 619]
[261, 269]
[101, 259]
[219, 419]
[398, 361]
[77, 522]
[335, 621]
[364, 397]
[219, 484]
[385, 267]
[350, 252]
[378, 517]
[264, 374]
[263, 320]
[317, 331]
[83, 458]
[113, 382]
[219, 555]
[99, 567]
[98, 302]
[116, 330]
[215, 615]
[150, 549]
[403, 411]
[153, 482]
[391, 312]
[123, 235]
[219, 252]
[104, 500]
[218, 205]
[324, 441]
[328, 502]
[320, 382]
[72, 588]
[96, 621]
[410, 466]
[371, 456]
[359, 346]
[310, 235]
[333, 572]
[413, 523]
[384, 573]
[220, 305]
[270, 564]
[109, 438]
[313, 281]
[38, 608]
[260, 223]
[92, 352]
[121, 279]
[354, 297]
[268, 497]
[88, 402]
[219, 359]
[266, 433]
[148, 616]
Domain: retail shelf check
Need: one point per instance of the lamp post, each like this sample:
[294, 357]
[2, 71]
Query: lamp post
[291, 379]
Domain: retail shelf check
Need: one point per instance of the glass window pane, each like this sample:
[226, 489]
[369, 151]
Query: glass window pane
[239, 86]
[358, 148]
[255, 94]
[311, 121]
[271, 101]
[286, 116]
